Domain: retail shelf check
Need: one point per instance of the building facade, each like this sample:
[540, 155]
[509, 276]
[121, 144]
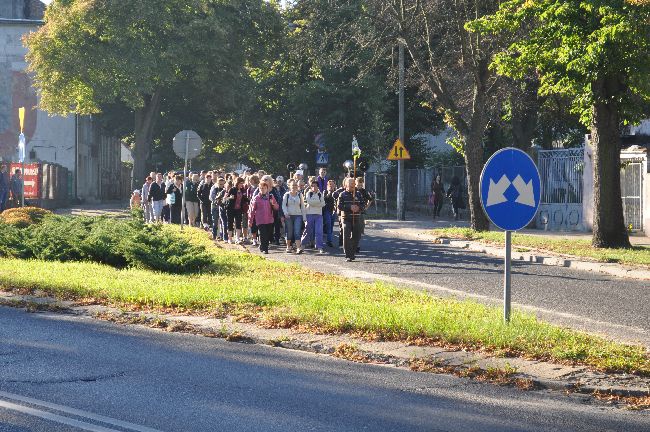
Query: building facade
[75, 143]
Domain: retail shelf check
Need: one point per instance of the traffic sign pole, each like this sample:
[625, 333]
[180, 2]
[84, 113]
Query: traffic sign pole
[187, 149]
[506, 279]
[401, 211]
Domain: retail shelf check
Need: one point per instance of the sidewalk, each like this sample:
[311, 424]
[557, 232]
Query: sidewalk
[113, 208]
[419, 227]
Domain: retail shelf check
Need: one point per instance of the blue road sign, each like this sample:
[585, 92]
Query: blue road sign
[510, 189]
[322, 158]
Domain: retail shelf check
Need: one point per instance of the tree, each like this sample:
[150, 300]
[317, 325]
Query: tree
[449, 65]
[309, 89]
[93, 53]
[597, 53]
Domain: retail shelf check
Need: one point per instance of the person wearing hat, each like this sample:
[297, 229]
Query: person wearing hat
[136, 200]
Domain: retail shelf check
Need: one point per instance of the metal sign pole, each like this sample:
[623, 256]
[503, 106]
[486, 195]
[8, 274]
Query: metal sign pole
[401, 213]
[187, 149]
[506, 280]
[22, 173]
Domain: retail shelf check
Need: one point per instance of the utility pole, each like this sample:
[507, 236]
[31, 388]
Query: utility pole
[401, 208]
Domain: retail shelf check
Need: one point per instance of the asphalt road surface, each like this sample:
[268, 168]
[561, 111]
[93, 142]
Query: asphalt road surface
[63, 373]
[612, 306]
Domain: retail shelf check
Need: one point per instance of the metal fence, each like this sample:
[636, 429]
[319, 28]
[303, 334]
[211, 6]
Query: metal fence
[561, 172]
[632, 194]
[417, 187]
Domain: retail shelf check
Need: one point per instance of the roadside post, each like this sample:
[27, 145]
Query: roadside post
[510, 190]
[21, 152]
[187, 145]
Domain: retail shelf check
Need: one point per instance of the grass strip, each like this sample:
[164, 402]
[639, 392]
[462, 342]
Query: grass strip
[637, 255]
[281, 293]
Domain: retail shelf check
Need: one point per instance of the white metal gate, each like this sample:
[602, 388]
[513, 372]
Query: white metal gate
[632, 193]
[561, 173]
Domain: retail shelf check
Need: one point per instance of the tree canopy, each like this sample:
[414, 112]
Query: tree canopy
[597, 54]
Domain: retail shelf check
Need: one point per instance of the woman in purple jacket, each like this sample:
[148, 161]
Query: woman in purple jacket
[261, 211]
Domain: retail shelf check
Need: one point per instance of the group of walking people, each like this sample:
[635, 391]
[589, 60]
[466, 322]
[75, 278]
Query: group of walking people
[258, 209]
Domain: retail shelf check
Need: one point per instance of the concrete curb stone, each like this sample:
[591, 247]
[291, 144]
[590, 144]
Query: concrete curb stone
[543, 375]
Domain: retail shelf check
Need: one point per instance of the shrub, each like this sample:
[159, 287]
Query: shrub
[103, 242]
[12, 241]
[24, 216]
[58, 238]
[155, 249]
[119, 243]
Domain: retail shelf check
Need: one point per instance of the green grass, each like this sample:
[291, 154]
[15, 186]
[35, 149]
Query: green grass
[292, 294]
[638, 255]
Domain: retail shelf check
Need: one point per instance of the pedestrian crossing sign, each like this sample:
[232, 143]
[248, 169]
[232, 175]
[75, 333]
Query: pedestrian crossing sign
[398, 152]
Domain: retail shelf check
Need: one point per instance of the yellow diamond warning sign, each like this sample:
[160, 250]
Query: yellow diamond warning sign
[398, 152]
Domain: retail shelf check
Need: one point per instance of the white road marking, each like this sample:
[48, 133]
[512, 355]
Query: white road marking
[67, 410]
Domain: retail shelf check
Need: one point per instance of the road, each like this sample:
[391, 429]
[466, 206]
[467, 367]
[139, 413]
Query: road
[618, 308]
[64, 373]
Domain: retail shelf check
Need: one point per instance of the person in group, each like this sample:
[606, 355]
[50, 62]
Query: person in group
[192, 198]
[322, 179]
[236, 199]
[169, 180]
[16, 186]
[246, 236]
[367, 199]
[437, 195]
[146, 204]
[4, 188]
[314, 203]
[216, 199]
[175, 199]
[350, 204]
[278, 192]
[293, 209]
[282, 188]
[251, 191]
[298, 176]
[301, 186]
[261, 209]
[157, 197]
[224, 203]
[203, 194]
[136, 200]
[336, 195]
[329, 212]
[455, 193]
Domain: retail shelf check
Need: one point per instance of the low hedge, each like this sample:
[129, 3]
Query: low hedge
[116, 242]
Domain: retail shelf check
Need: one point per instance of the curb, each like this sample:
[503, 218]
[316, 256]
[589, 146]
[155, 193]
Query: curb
[568, 379]
[534, 256]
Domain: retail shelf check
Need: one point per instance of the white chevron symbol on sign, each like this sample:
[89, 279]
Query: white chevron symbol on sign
[496, 190]
[526, 195]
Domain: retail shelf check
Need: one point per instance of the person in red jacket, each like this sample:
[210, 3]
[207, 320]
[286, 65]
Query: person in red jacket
[261, 211]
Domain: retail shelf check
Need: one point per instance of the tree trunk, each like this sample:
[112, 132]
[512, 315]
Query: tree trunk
[609, 223]
[145, 121]
[474, 166]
